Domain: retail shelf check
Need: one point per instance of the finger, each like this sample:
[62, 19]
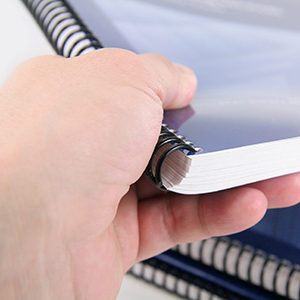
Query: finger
[173, 219]
[126, 229]
[146, 189]
[177, 84]
[282, 191]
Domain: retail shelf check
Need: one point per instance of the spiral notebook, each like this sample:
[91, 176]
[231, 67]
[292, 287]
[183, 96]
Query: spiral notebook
[168, 271]
[266, 272]
[188, 279]
[243, 124]
[246, 57]
[260, 263]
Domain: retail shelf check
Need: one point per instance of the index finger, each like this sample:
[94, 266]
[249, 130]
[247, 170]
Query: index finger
[282, 191]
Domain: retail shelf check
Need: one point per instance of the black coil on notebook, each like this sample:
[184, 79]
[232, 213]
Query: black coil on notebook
[272, 274]
[169, 142]
[63, 28]
[178, 282]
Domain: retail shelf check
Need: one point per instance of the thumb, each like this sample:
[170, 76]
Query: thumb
[177, 83]
[171, 86]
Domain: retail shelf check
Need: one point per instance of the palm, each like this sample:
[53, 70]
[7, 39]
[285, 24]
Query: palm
[149, 221]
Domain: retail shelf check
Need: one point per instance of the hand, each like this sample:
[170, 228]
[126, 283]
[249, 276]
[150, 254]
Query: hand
[75, 137]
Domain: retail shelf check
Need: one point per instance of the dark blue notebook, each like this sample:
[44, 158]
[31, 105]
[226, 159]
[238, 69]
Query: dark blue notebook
[266, 255]
[246, 57]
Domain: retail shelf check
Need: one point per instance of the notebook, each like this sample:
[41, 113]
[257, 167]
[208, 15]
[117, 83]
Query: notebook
[262, 262]
[168, 271]
[243, 124]
[186, 278]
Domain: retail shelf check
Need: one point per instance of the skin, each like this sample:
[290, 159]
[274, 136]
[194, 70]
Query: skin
[75, 211]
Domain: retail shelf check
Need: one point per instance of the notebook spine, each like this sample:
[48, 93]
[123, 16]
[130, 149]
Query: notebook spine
[246, 263]
[168, 143]
[68, 35]
[182, 284]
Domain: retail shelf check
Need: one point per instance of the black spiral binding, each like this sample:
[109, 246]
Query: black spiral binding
[63, 28]
[70, 37]
[171, 142]
[292, 269]
[148, 271]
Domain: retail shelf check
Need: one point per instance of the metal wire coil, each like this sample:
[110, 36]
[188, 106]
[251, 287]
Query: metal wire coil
[62, 27]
